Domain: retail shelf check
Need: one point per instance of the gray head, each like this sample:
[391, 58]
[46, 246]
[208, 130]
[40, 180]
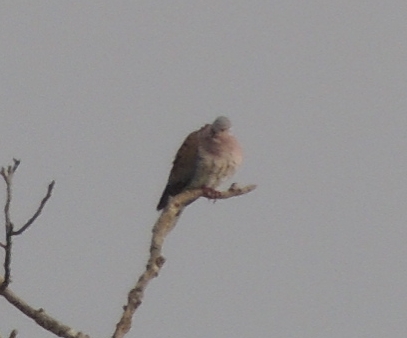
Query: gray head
[221, 124]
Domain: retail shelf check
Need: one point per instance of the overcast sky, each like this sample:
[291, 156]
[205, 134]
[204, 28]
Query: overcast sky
[99, 95]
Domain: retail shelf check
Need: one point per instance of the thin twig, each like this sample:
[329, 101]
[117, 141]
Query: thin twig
[165, 223]
[39, 316]
[16, 164]
[38, 212]
[7, 176]
[7, 258]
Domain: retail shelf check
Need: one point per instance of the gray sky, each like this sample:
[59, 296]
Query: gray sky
[99, 96]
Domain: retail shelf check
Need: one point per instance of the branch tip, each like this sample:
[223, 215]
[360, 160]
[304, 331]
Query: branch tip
[38, 212]
[16, 164]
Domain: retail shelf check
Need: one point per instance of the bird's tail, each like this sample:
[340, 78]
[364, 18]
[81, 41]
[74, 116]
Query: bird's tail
[164, 199]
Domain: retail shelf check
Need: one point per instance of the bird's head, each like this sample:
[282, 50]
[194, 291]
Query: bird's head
[222, 123]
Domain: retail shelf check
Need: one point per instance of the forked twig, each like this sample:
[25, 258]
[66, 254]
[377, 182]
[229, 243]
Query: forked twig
[7, 175]
[38, 315]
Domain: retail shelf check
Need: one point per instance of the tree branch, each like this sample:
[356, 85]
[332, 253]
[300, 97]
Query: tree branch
[8, 176]
[39, 316]
[7, 258]
[38, 212]
[165, 223]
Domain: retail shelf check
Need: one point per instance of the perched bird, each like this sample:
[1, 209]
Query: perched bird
[207, 157]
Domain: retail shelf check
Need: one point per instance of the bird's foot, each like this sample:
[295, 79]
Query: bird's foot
[211, 193]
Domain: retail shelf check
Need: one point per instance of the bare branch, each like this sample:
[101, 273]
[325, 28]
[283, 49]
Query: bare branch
[16, 164]
[7, 176]
[38, 212]
[40, 317]
[165, 223]
[7, 258]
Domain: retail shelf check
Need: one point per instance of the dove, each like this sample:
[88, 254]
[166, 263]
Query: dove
[206, 158]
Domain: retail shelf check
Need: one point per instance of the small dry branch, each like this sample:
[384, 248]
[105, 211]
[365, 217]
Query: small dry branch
[38, 315]
[7, 175]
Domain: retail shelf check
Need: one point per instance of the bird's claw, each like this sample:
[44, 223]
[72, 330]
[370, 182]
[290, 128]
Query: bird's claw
[211, 193]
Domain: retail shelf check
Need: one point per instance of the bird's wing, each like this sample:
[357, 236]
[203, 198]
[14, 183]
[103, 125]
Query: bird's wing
[183, 168]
